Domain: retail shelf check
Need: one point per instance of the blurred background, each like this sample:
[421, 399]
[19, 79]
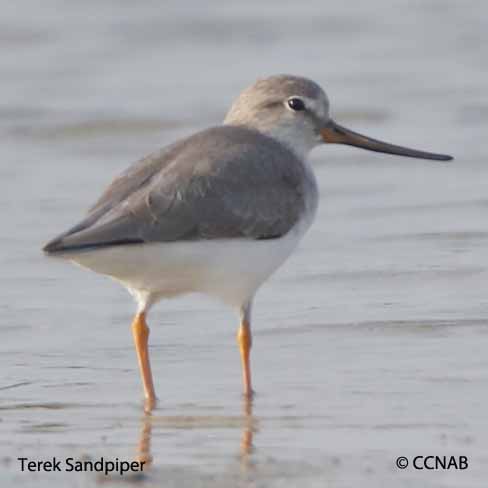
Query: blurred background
[370, 343]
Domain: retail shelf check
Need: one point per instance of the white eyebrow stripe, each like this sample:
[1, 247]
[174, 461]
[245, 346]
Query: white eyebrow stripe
[312, 104]
[316, 106]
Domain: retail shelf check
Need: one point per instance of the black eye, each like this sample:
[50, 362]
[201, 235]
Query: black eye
[296, 104]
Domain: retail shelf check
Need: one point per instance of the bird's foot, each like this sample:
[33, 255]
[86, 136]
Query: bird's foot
[150, 404]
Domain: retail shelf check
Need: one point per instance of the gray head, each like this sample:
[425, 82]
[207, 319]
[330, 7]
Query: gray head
[288, 108]
[295, 111]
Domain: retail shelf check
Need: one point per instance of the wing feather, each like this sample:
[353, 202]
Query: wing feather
[222, 183]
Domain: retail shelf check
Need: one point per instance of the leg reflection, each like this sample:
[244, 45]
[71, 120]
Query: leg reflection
[144, 445]
[248, 430]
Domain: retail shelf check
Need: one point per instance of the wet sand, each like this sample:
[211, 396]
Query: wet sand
[370, 343]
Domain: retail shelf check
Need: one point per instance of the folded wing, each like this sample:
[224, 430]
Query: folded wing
[222, 183]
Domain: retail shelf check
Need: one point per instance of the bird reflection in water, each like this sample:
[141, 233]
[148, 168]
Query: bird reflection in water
[247, 421]
[144, 445]
[249, 426]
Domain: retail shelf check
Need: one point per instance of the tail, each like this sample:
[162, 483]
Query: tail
[59, 246]
[86, 237]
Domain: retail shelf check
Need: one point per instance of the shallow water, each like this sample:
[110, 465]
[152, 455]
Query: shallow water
[370, 343]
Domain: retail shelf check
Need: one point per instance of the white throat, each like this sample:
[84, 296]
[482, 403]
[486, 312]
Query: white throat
[300, 143]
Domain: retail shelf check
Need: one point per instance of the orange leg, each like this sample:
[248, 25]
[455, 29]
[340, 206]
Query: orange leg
[140, 331]
[244, 340]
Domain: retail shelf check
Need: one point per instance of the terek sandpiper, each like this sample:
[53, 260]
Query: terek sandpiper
[217, 212]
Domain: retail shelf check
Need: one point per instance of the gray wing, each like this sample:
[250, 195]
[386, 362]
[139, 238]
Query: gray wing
[225, 182]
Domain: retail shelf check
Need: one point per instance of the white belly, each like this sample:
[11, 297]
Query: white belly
[231, 269]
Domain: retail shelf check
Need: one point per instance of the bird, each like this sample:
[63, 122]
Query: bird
[217, 212]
